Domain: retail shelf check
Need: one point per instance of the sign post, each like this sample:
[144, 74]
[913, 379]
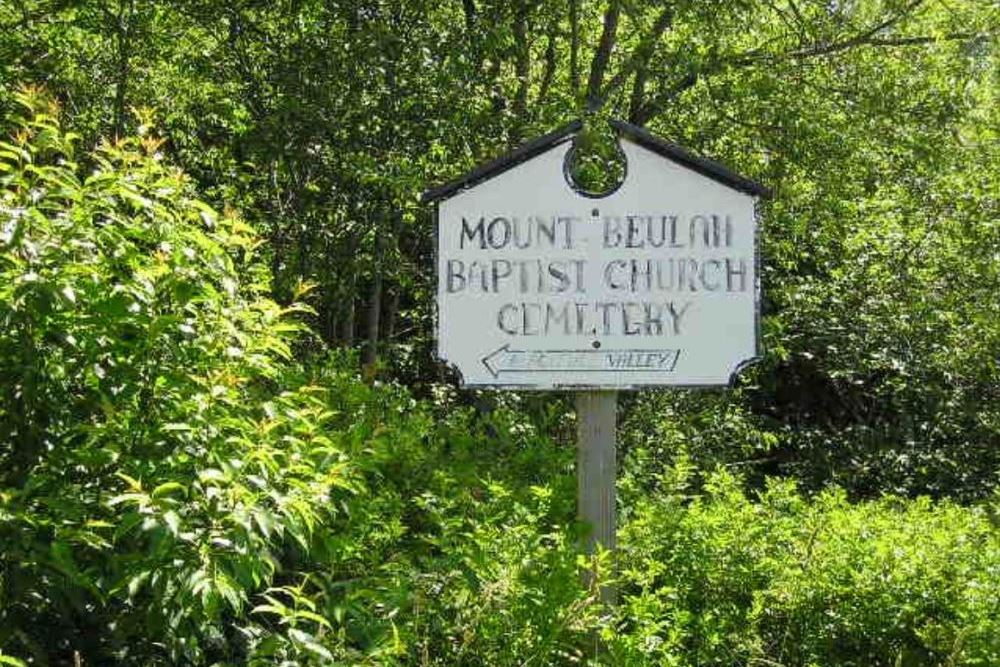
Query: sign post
[595, 472]
[542, 286]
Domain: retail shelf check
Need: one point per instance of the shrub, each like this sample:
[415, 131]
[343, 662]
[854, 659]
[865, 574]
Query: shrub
[155, 469]
[782, 580]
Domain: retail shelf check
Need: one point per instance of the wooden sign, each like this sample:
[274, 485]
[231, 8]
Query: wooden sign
[542, 286]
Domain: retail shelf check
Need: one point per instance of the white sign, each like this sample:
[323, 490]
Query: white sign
[540, 286]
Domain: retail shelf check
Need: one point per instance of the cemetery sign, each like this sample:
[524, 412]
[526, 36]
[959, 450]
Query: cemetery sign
[543, 286]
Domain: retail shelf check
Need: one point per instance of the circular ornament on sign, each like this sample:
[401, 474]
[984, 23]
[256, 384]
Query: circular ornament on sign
[571, 166]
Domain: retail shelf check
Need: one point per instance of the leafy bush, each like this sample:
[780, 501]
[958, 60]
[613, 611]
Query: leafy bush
[721, 579]
[155, 470]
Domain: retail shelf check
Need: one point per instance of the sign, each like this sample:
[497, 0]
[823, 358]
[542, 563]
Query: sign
[541, 286]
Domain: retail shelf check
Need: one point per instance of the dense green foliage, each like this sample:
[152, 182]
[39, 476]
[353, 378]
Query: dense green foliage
[151, 449]
[874, 123]
[223, 437]
[778, 580]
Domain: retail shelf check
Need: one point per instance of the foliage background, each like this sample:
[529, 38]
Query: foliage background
[209, 222]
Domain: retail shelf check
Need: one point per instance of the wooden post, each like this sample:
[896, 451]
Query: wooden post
[595, 473]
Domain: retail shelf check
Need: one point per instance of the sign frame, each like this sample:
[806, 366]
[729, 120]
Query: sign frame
[568, 133]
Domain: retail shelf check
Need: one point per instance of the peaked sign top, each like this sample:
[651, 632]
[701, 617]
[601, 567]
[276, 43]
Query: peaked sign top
[543, 286]
[710, 168]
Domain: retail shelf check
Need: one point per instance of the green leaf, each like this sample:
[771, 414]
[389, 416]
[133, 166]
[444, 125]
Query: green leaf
[137, 498]
[211, 475]
[312, 616]
[270, 609]
[133, 483]
[167, 488]
[173, 522]
[136, 583]
[309, 642]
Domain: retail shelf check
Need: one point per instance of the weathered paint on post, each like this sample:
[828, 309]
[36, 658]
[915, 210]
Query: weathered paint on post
[595, 473]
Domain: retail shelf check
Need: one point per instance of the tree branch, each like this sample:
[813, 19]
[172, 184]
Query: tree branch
[639, 59]
[656, 106]
[886, 41]
[469, 10]
[550, 68]
[123, 35]
[638, 97]
[602, 56]
[522, 62]
[574, 47]
[874, 30]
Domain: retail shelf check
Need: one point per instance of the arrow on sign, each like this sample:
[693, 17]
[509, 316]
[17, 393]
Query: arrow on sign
[506, 360]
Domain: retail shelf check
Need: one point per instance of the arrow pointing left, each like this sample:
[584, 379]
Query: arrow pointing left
[506, 360]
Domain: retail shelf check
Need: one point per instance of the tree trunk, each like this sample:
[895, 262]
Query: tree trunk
[550, 68]
[469, 10]
[574, 47]
[329, 314]
[396, 261]
[392, 310]
[347, 332]
[374, 304]
[126, 13]
[522, 70]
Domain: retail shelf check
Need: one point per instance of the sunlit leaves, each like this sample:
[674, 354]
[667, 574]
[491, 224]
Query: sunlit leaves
[140, 421]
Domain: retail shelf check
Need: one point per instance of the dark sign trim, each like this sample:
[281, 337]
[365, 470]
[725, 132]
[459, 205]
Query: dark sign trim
[673, 152]
[710, 168]
[503, 163]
